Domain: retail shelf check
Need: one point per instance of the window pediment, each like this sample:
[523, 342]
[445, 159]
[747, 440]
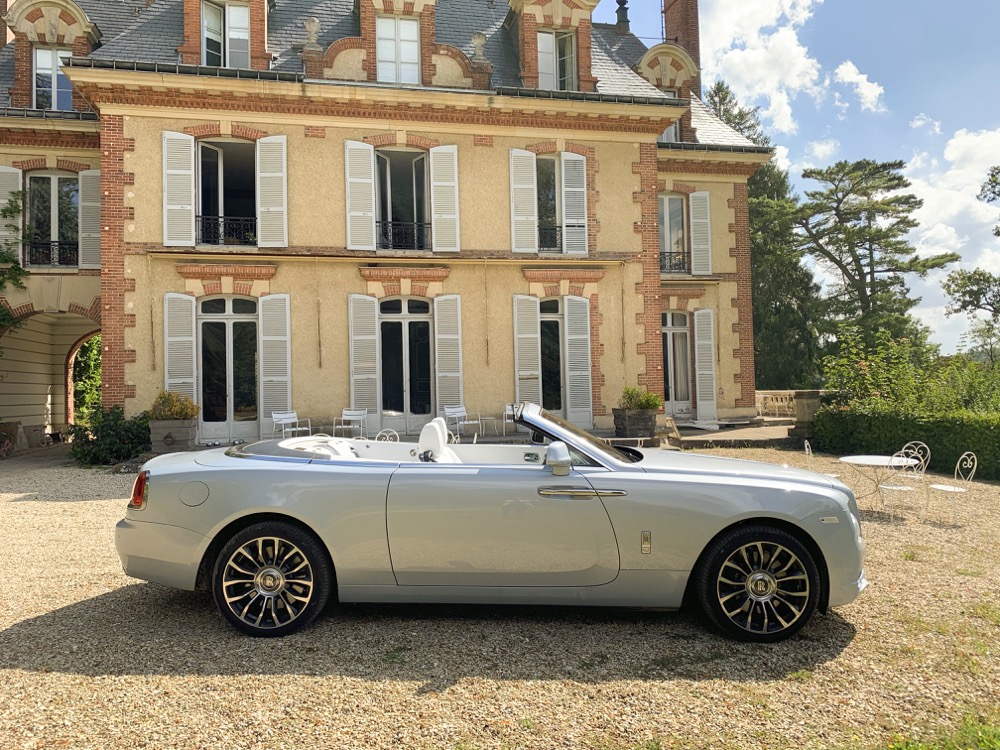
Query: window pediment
[46, 21]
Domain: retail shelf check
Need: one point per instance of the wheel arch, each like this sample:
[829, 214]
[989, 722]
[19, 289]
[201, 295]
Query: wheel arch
[204, 578]
[796, 531]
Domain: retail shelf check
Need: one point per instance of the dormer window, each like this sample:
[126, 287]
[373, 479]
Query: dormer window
[557, 61]
[226, 35]
[398, 49]
[673, 133]
[52, 87]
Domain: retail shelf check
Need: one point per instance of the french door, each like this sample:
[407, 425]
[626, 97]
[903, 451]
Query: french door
[676, 364]
[227, 350]
[406, 355]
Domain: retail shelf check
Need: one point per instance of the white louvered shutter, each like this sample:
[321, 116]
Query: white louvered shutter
[448, 350]
[523, 202]
[275, 358]
[574, 203]
[527, 350]
[178, 190]
[89, 235]
[704, 364]
[364, 354]
[444, 199]
[576, 355]
[10, 236]
[701, 234]
[272, 191]
[359, 167]
[547, 61]
[179, 345]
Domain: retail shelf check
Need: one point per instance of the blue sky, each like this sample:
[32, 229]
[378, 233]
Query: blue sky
[877, 79]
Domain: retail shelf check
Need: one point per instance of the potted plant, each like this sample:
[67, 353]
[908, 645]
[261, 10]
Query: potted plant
[173, 422]
[636, 413]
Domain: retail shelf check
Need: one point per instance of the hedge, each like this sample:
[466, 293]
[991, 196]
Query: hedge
[844, 431]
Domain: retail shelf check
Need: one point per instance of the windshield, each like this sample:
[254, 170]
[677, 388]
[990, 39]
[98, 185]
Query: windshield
[582, 437]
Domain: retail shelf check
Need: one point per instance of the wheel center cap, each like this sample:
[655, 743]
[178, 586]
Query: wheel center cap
[270, 581]
[761, 586]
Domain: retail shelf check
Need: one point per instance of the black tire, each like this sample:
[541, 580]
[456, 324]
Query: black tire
[758, 584]
[272, 579]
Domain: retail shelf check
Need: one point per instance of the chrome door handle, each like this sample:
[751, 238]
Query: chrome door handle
[566, 492]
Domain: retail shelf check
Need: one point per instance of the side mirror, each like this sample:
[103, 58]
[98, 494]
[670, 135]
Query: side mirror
[558, 459]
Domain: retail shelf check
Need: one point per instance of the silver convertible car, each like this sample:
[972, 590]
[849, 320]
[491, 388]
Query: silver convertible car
[277, 527]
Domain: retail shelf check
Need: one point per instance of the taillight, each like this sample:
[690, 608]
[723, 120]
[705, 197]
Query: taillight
[140, 491]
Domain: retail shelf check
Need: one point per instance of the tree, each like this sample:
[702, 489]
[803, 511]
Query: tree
[787, 308]
[982, 342]
[745, 121]
[973, 290]
[11, 271]
[87, 380]
[990, 191]
[855, 226]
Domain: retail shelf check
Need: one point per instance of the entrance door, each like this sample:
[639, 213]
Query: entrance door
[406, 356]
[676, 364]
[228, 366]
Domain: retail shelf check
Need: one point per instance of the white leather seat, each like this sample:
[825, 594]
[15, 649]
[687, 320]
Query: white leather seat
[433, 441]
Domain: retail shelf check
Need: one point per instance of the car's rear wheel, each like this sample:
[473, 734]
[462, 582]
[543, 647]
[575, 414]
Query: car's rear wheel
[271, 579]
[759, 584]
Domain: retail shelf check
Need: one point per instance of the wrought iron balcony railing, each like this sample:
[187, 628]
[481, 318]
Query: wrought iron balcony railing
[675, 263]
[550, 238]
[226, 230]
[403, 235]
[51, 254]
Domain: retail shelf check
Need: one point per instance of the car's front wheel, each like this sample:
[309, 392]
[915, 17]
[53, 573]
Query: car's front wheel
[271, 579]
[759, 583]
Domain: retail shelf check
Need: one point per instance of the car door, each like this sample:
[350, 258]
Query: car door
[497, 525]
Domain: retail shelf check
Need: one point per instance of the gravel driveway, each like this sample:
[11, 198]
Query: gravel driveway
[92, 659]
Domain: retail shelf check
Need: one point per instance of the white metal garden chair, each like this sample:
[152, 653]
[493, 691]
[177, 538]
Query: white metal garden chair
[809, 460]
[288, 423]
[965, 470]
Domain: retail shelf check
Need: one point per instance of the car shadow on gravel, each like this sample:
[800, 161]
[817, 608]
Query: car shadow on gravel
[146, 629]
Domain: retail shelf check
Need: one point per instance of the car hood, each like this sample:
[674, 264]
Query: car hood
[674, 461]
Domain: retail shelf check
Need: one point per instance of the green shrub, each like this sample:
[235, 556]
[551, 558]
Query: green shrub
[109, 438]
[844, 430]
[173, 405]
[637, 398]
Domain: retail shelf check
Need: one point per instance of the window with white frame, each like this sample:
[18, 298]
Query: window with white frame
[685, 234]
[226, 35]
[673, 133]
[552, 355]
[548, 202]
[557, 61]
[62, 217]
[398, 49]
[52, 88]
[224, 192]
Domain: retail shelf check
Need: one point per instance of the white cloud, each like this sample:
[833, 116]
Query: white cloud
[755, 48]
[822, 150]
[924, 121]
[952, 219]
[781, 157]
[869, 93]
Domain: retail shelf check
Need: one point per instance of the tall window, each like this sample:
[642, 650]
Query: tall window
[52, 87]
[550, 332]
[398, 49]
[549, 210]
[227, 199]
[674, 255]
[557, 61]
[53, 220]
[226, 34]
[403, 199]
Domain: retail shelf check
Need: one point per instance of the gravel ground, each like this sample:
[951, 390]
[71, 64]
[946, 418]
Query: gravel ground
[92, 659]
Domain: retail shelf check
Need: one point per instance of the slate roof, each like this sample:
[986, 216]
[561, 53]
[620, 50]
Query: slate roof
[134, 32]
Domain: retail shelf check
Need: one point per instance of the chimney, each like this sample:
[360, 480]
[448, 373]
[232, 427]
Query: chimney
[622, 27]
[680, 23]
